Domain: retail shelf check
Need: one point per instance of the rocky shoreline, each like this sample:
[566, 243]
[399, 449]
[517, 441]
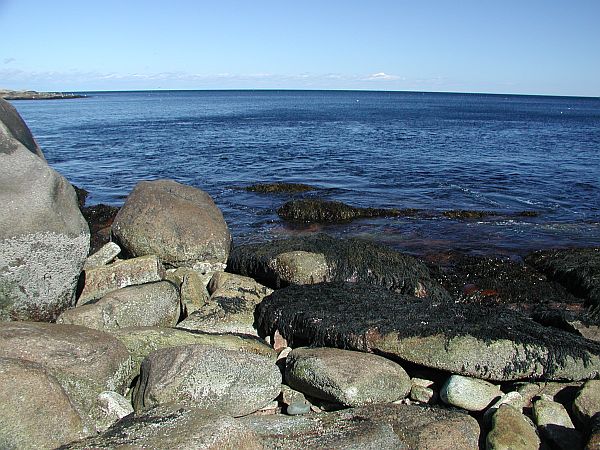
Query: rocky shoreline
[8, 94]
[157, 331]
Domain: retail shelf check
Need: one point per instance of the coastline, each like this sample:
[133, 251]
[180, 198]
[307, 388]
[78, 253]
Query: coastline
[8, 94]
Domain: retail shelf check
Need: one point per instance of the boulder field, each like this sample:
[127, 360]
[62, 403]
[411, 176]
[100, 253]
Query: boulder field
[168, 336]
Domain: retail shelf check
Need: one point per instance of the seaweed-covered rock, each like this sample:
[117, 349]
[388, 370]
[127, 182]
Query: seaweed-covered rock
[180, 224]
[483, 342]
[369, 427]
[174, 427]
[352, 260]
[577, 269]
[346, 377]
[218, 380]
[327, 211]
[99, 218]
[279, 188]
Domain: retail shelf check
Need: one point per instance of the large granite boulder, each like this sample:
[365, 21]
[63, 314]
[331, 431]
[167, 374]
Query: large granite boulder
[217, 380]
[174, 427]
[151, 304]
[352, 260]
[180, 224]
[85, 362]
[35, 411]
[44, 239]
[491, 343]
[369, 427]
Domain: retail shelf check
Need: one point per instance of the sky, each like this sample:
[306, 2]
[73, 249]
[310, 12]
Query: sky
[549, 47]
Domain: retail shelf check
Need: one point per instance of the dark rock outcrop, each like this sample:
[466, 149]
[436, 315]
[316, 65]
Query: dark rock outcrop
[484, 342]
[352, 260]
[279, 188]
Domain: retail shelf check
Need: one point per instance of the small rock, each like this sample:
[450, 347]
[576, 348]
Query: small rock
[114, 406]
[191, 286]
[297, 409]
[555, 425]
[422, 394]
[151, 304]
[102, 257]
[511, 430]
[513, 399]
[346, 377]
[587, 403]
[421, 382]
[301, 267]
[471, 394]
[527, 391]
[289, 395]
[102, 280]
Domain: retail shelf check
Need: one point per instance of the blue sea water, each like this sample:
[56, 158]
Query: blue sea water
[431, 151]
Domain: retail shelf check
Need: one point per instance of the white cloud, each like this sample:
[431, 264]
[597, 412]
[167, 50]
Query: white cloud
[9, 60]
[382, 76]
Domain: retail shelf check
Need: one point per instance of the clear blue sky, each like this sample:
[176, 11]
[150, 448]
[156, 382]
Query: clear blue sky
[533, 47]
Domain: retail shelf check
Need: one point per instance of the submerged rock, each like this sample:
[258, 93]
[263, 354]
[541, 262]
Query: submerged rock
[44, 239]
[483, 342]
[280, 188]
[352, 260]
[180, 224]
[577, 269]
[369, 427]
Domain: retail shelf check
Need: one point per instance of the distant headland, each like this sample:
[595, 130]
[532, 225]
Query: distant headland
[34, 95]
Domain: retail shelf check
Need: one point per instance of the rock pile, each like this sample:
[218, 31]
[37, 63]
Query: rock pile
[303, 343]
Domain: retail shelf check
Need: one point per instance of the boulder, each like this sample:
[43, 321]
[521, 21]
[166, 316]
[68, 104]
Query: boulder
[230, 308]
[351, 260]
[369, 427]
[587, 403]
[512, 430]
[555, 425]
[346, 377]
[85, 362]
[174, 427]
[578, 269]
[181, 224]
[145, 305]
[99, 281]
[35, 411]
[141, 341]
[469, 393]
[44, 239]
[490, 343]
[217, 380]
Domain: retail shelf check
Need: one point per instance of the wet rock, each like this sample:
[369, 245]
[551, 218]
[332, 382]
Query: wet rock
[352, 260]
[141, 341]
[82, 195]
[369, 427]
[483, 342]
[346, 377]
[578, 270]
[192, 289]
[326, 211]
[217, 380]
[512, 430]
[230, 308]
[35, 411]
[44, 239]
[104, 256]
[587, 403]
[85, 362]
[555, 425]
[99, 218]
[469, 393]
[99, 281]
[174, 427]
[146, 305]
[181, 224]
[114, 407]
[280, 188]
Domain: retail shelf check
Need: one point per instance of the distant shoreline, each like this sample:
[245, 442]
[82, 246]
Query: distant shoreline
[34, 95]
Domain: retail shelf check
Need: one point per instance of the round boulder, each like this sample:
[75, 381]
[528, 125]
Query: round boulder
[44, 239]
[180, 224]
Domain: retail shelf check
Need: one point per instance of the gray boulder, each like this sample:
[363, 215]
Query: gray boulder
[469, 393]
[346, 377]
[490, 343]
[512, 430]
[192, 288]
[372, 427]
[217, 380]
[44, 239]
[555, 425]
[35, 411]
[181, 224]
[587, 403]
[152, 304]
[179, 427]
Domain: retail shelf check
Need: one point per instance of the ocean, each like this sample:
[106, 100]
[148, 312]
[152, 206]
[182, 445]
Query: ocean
[432, 151]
